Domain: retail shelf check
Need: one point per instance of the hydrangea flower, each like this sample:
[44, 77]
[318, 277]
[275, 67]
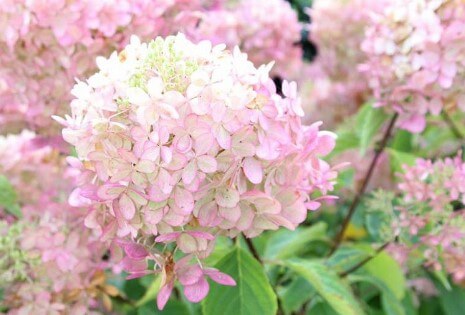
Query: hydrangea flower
[45, 45]
[432, 215]
[35, 82]
[186, 142]
[413, 58]
[333, 81]
[49, 261]
[267, 30]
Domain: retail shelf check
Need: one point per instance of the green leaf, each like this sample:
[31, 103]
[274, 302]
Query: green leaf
[251, 296]
[294, 295]
[328, 285]
[222, 248]
[8, 197]
[369, 121]
[321, 308]
[399, 158]
[386, 269]
[452, 301]
[345, 140]
[402, 141]
[391, 304]
[409, 304]
[346, 257]
[173, 307]
[150, 293]
[284, 243]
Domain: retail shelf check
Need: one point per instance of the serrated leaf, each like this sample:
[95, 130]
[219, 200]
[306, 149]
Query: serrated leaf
[391, 304]
[399, 158]
[346, 257]
[284, 243]
[8, 197]
[328, 285]
[369, 121]
[385, 268]
[253, 293]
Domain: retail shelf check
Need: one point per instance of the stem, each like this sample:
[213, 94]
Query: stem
[253, 250]
[361, 191]
[364, 261]
[452, 126]
[255, 254]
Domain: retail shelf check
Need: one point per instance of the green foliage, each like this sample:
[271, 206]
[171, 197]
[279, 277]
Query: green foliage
[384, 268]
[379, 215]
[368, 121]
[346, 257]
[399, 158]
[9, 198]
[327, 284]
[253, 293]
[321, 308]
[173, 307]
[294, 295]
[390, 302]
[453, 300]
[284, 243]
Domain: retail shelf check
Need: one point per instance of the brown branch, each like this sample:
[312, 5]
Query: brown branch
[452, 126]
[361, 191]
[364, 261]
[253, 250]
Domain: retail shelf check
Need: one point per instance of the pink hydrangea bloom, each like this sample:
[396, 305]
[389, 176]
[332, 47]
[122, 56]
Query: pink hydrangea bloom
[413, 58]
[267, 30]
[45, 45]
[50, 261]
[337, 29]
[427, 214]
[186, 142]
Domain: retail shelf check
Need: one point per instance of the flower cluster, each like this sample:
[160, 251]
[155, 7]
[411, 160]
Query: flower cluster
[267, 30]
[432, 214]
[414, 52]
[45, 45]
[337, 29]
[181, 142]
[48, 261]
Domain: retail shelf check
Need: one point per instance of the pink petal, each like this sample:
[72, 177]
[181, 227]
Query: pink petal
[110, 191]
[219, 277]
[190, 275]
[198, 291]
[223, 138]
[134, 250]
[184, 199]
[207, 163]
[189, 173]
[127, 207]
[253, 170]
[230, 214]
[227, 197]
[201, 234]
[203, 143]
[145, 166]
[164, 295]
[168, 237]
